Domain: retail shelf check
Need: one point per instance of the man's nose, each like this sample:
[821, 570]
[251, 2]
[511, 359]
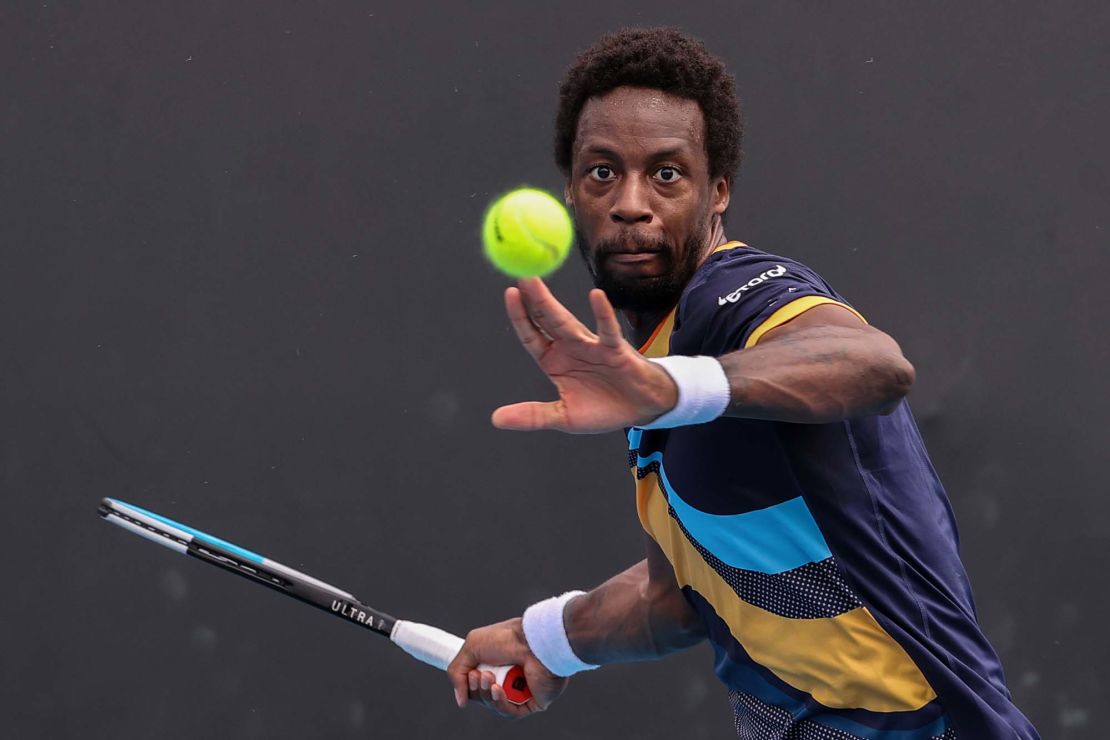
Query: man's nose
[631, 205]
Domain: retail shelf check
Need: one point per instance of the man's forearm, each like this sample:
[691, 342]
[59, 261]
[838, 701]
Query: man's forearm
[630, 618]
[818, 375]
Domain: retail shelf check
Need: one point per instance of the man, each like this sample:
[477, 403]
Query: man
[792, 516]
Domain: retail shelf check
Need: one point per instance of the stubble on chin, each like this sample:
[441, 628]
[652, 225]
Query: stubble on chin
[643, 294]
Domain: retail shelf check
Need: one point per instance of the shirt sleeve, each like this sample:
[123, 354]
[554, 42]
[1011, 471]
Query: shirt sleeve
[740, 297]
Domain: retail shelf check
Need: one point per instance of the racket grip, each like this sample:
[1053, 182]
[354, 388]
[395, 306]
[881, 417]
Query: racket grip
[438, 648]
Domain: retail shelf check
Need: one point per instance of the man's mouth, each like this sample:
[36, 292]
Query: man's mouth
[634, 257]
[632, 249]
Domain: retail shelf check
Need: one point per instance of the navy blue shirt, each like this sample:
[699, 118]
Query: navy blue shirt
[822, 558]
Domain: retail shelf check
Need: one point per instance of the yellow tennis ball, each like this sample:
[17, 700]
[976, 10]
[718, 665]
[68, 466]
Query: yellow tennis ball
[527, 233]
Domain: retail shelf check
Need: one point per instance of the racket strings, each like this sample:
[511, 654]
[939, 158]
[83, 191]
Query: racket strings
[147, 527]
[258, 574]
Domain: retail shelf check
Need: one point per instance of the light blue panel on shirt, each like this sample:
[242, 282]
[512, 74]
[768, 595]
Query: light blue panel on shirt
[771, 540]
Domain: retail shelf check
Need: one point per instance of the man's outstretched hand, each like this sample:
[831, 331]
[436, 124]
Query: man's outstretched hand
[603, 382]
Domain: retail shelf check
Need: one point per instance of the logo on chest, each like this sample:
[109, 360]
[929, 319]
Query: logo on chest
[734, 296]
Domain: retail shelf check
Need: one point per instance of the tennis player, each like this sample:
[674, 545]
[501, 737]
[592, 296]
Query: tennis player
[792, 515]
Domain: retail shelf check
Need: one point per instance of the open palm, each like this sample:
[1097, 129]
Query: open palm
[603, 383]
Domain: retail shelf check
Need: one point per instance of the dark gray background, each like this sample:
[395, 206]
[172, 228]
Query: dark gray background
[241, 286]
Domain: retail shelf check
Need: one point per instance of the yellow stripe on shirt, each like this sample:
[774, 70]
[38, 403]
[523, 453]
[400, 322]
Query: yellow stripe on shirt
[793, 310]
[846, 661]
[659, 343]
[727, 246]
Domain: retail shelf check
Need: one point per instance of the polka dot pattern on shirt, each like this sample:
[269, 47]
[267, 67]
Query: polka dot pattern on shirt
[811, 591]
[756, 720]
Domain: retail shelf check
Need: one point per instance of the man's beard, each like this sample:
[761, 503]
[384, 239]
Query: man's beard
[643, 294]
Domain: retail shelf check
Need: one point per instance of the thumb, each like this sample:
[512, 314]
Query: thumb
[530, 416]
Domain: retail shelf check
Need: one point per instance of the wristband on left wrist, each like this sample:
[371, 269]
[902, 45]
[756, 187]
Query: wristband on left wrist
[703, 391]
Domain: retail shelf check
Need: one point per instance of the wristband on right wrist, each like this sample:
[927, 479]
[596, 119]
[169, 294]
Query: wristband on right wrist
[546, 634]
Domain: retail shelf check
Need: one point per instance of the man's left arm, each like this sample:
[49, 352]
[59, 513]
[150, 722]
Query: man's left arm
[822, 366]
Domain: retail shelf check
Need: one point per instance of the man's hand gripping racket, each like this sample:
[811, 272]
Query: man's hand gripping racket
[427, 644]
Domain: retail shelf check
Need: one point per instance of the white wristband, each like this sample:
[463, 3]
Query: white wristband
[703, 391]
[547, 636]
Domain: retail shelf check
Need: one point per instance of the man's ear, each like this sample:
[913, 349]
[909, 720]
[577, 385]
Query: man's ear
[722, 194]
[567, 197]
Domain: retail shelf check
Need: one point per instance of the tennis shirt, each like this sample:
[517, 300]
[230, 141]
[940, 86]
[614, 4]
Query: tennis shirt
[822, 558]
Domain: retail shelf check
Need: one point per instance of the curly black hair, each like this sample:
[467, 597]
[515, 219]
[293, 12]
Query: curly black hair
[662, 59]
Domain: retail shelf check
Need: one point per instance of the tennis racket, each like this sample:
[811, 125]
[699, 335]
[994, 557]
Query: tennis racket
[427, 644]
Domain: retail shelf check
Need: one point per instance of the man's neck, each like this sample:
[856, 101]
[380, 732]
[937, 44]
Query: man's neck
[642, 323]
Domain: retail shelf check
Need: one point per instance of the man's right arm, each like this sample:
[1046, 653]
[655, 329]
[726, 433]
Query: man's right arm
[639, 614]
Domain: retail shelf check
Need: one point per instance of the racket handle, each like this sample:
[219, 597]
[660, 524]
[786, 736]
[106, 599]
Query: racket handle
[438, 648]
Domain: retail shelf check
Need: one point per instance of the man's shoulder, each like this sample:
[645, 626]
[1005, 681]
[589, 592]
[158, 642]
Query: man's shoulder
[734, 271]
[738, 291]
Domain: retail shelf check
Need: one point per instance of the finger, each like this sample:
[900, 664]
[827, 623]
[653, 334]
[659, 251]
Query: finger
[502, 705]
[485, 686]
[608, 328]
[479, 689]
[462, 692]
[457, 673]
[494, 700]
[548, 314]
[530, 416]
[507, 709]
[490, 694]
[530, 336]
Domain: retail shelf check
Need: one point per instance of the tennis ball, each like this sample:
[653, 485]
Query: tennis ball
[527, 233]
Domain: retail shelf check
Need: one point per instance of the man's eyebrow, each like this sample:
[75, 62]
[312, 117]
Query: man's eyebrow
[600, 150]
[669, 153]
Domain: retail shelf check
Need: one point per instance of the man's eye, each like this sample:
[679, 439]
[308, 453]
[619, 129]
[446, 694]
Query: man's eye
[667, 174]
[602, 172]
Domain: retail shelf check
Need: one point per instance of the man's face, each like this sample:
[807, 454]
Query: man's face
[643, 200]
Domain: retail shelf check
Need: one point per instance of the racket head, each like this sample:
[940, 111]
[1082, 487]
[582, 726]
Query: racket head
[428, 644]
[163, 530]
[188, 540]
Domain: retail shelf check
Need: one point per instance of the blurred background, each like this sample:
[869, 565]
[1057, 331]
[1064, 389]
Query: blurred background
[242, 287]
